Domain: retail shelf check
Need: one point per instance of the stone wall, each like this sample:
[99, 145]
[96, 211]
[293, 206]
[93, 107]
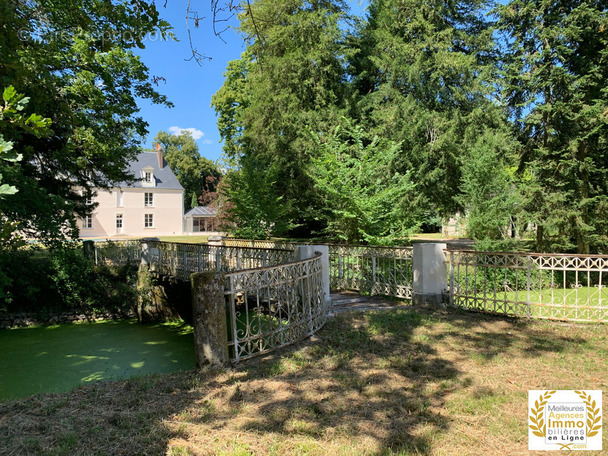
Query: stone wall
[162, 298]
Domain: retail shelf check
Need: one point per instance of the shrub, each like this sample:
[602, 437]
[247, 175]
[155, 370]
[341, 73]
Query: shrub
[61, 279]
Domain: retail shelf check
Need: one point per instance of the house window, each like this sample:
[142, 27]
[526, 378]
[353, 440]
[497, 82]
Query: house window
[148, 199]
[119, 200]
[87, 221]
[147, 175]
[148, 220]
[119, 221]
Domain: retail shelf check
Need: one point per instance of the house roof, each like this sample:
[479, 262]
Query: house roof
[164, 177]
[201, 211]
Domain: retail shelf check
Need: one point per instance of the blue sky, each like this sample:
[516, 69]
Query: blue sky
[188, 85]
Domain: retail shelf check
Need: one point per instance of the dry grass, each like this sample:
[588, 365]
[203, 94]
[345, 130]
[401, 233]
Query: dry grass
[403, 382]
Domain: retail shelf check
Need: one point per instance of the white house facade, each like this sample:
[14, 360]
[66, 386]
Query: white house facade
[151, 206]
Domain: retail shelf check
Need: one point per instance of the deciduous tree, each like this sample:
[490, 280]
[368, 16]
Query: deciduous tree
[365, 198]
[75, 60]
[191, 169]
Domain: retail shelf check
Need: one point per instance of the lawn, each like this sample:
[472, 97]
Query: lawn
[195, 239]
[405, 381]
[581, 303]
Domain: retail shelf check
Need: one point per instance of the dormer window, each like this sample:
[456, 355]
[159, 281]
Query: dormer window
[147, 177]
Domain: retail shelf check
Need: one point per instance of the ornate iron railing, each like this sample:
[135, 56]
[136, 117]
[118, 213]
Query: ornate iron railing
[556, 287]
[117, 252]
[268, 308]
[181, 260]
[260, 244]
[371, 269]
[368, 269]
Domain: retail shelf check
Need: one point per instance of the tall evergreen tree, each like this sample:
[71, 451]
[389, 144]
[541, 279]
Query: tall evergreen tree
[556, 75]
[290, 77]
[424, 74]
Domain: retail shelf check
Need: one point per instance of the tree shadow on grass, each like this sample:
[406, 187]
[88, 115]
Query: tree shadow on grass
[368, 390]
[378, 380]
[492, 335]
[121, 417]
[367, 383]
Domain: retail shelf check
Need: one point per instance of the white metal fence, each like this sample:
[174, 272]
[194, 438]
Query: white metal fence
[558, 287]
[374, 270]
[181, 260]
[274, 306]
[545, 286]
[271, 300]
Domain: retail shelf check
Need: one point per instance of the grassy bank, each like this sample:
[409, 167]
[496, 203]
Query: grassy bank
[391, 382]
[195, 239]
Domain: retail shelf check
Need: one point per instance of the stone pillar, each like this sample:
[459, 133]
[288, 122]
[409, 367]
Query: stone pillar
[430, 273]
[303, 252]
[215, 240]
[324, 269]
[209, 318]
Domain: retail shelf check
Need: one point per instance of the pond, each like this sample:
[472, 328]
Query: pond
[61, 357]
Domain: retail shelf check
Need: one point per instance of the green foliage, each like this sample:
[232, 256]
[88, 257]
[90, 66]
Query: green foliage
[190, 168]
[363, 195]
[89, 288]
[10, 243]
[555, 77]
[489, 189]
[424, 77]
[255, 209]
[61, 278]
[505, 121]
[291, 75]
[14, 104]
[75, 61]
[11, 112]
[417, 75]
[70, 273]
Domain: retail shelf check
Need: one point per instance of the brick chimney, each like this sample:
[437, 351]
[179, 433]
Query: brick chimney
[159, 155]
